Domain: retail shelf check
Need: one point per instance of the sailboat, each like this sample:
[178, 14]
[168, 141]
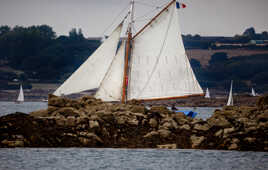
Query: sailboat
[149, 65]
[20, 98]
[253, 92]
[230, 101]
[207, 95]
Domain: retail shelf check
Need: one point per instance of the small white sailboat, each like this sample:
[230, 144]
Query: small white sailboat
[253, 92]
[230, 101]
[150, 65]
[207, 94]
[20, 98]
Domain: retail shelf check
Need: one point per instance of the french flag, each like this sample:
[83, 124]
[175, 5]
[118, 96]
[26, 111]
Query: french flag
[180, 5]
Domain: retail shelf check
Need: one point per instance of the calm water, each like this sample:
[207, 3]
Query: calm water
[82, 158]
[26, 107]
[140, 159]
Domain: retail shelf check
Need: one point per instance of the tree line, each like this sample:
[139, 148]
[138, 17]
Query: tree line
[246, 71]
[40, 54]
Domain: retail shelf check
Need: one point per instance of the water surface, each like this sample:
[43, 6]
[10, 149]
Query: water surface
[138, 159]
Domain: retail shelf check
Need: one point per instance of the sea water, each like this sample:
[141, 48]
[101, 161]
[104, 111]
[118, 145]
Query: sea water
[140, 159]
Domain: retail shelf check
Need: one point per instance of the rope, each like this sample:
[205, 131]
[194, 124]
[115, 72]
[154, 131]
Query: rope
[113, 21]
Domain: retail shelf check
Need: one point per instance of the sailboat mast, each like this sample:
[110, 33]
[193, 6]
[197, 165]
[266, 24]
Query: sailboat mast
[128, 52]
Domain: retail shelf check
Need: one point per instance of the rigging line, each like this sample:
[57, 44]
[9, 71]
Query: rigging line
[145, 4]
[160, 52]
[145, 15]
[116, 19]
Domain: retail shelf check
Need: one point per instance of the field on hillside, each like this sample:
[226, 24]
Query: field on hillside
[204, 55]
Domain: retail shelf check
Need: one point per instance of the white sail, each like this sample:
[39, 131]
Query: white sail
[21, 95]
[90, 74]
[253, 92]
[230, 101]
[159, 66]
[207, 94]
[111, 86]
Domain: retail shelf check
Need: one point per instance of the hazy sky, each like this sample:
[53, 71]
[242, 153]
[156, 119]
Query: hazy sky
[205, 17]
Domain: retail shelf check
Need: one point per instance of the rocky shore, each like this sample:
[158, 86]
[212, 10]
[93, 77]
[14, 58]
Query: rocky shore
[88, 122]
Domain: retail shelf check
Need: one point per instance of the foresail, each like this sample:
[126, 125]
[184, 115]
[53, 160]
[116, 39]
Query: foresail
[111, 86]
[159, 65]
[90, 74]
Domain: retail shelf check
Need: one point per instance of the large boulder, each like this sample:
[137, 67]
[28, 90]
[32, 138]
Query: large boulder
[262, 102]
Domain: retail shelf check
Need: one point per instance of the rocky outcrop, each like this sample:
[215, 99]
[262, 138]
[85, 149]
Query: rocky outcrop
[88, 122]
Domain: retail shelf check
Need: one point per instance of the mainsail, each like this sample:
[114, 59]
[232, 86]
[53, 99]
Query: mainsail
[152, 65]
[207, 94]
[159, 66]
[21, 95]
[90, 74]
[230, 101]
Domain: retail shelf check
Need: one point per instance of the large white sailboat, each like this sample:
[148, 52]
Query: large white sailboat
[149, 65]
[20, 98]
[230, 101]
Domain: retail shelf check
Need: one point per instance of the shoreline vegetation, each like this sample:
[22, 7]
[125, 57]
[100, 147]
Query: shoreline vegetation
[89, 122]
[36, 55]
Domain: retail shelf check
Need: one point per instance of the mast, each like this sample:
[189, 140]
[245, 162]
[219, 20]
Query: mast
[128, 52]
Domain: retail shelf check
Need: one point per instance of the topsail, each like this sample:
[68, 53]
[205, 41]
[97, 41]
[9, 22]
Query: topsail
[151, 65]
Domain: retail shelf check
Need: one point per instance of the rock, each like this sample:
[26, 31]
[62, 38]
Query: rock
[199, 127]
[250, 140]
[182, 121]
[262, 102]
[179, 116]
[57, 101]
[218, 133]
[60, 121]
[161, 110]
[185, 127]
[151, 134]
[166, 125]
[196, 141]
[67, 111]
[167, 146]
[70, 121]
[219, 122]
[16, 143]
[153, 123]
[40, 113]
[94, 124]
[228, 130]
[164, 133]
[196, 121]
[138, 109]
[235, 140]
[250, 129]
[233, 146]
[262, 117]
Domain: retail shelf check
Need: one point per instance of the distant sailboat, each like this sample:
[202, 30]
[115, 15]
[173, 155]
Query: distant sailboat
[230, 98]
[253, 92]
[207, 94]
[20, 98]
[151, 65]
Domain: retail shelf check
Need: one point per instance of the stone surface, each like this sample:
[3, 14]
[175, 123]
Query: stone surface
[89, 122]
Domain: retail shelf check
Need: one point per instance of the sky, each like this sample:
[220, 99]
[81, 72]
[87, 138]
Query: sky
[98, 17]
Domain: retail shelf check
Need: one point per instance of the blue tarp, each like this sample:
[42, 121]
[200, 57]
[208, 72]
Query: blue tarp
[188, 113]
